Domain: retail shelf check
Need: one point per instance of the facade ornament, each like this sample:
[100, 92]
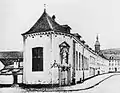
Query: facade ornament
[64, 53]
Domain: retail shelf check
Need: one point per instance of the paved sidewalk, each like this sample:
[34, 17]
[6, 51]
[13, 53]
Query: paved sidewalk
[90, 83]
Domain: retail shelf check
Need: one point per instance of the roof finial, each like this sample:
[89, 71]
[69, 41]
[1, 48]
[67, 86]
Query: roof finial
[44, 7]
[97, 37]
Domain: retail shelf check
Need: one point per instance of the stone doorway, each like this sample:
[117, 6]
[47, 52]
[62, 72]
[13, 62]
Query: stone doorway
[64, 76]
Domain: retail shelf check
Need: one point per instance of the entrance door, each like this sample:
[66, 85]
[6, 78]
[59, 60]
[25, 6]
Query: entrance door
[115, 69]
[92, 71]
[65, 77]
[68, 77]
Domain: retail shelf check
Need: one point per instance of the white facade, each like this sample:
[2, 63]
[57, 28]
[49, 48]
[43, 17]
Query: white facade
[51, 55]
[65, 58]
[114, 65]
[103, 65]
[39, 77]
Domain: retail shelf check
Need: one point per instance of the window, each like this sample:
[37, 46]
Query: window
[119, 63]
[92, 60]
[73, 59]
[79, 60]
[85, 62]
[82, 62]
[109, 64]
[37, 59]
[76, 60]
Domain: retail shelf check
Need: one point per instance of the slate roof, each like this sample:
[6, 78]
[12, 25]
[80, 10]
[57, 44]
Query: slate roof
[47, 23]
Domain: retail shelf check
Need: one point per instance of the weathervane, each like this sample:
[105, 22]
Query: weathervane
[97, 37]
[44, 7]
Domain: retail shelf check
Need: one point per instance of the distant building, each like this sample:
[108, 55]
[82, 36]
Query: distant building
[11, 71]
[114, 59]
[11, 60]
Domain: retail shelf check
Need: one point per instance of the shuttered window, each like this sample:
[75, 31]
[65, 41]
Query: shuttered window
[37, 59]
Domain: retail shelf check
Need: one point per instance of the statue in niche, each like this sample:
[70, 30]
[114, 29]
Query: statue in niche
[64, 56]
[64, 52]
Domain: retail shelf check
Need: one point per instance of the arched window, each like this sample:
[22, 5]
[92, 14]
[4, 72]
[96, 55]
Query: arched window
[37, 59]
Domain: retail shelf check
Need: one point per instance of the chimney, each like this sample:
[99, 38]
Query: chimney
[53, 17]
[83, 41]
[77, 35]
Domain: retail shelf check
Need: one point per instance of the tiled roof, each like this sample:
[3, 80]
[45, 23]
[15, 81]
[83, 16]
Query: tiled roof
[7, 57]
[11, 54]
[46, 23]
[114, 57]
[114, 53]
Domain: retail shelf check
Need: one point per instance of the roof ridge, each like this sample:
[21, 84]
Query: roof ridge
[49, 23]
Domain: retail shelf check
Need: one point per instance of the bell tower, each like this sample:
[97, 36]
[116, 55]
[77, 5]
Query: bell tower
[97, 45]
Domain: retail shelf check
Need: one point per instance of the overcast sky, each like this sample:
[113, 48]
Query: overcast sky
[87, 17]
